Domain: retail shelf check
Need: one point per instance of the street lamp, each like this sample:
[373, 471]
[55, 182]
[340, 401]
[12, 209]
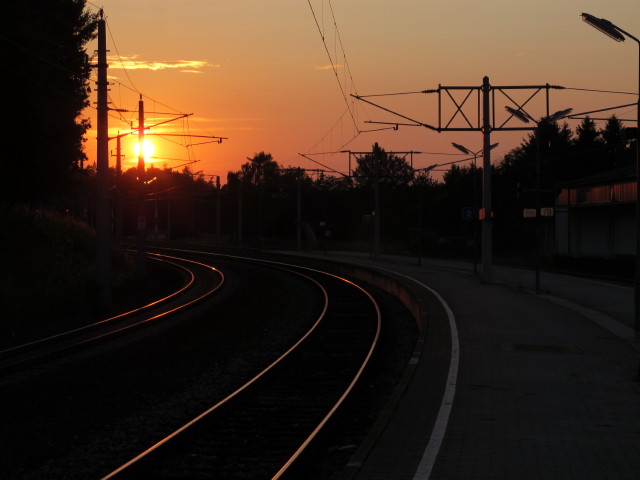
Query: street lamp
[466, 151]
[618, 34]
[606, 27]
[526, 118]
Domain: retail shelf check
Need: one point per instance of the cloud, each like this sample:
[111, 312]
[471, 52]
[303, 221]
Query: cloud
[328, 67]
[227, 119]
[133, 63]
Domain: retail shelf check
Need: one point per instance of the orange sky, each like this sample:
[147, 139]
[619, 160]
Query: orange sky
[258, 72]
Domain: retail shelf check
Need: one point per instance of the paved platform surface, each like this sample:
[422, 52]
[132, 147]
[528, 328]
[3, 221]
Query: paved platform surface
[511, 384]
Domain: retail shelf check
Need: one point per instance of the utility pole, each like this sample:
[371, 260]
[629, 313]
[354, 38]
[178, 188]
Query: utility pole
[118, 200]
[103, 241]
[376, 204]
[487, 212]
[142, 220]
[240, 214]
[376, 217]
[218, 210]
[483, 121]
[299, 211]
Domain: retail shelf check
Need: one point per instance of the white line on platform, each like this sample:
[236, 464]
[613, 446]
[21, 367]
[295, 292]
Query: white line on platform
[430, 454]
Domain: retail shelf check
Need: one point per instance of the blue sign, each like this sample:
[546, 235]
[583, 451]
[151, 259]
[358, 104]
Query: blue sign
[470, 213]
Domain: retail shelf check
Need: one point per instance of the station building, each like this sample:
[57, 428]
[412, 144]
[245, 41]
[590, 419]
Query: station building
[595, 216]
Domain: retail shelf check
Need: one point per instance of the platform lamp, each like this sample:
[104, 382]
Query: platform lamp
[619, 35]
[526, 118]
[466, 151]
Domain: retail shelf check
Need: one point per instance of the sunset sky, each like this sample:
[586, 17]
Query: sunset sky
[259, 73]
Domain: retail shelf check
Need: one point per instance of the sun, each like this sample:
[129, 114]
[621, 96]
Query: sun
[147, 148]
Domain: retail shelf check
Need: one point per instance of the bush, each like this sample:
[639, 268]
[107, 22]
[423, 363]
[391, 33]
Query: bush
[48, 270]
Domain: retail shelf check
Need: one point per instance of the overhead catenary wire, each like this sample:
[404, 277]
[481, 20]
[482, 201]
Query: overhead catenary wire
[114, 112]
[333, 62]
[186, 128]
[126, 72]
[351, 106]
[347, 68]
[329, 133]
[322, 164]
[44, 85]
[396, 94]
[600, 91]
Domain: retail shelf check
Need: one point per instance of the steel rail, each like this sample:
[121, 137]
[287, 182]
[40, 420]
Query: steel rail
[59, 339]
[301, 448]
[180, 307]
[346, 393]
[74, 331]
[233, 394]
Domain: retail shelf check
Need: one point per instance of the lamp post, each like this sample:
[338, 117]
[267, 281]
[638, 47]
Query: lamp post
[619, 35]
[466, 151]
[526, 118]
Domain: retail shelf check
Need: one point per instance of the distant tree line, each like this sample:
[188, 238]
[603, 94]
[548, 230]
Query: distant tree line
[46, 73]
[563, 156]
[266, 204]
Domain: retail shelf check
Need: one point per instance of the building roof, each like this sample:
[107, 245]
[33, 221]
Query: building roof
[622, 174]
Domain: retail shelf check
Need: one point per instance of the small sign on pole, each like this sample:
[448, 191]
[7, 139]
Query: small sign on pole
[470, 213]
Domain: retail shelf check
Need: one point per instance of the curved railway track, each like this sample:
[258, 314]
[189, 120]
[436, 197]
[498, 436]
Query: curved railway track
[201, 281]
[244, 385]
[262, 428]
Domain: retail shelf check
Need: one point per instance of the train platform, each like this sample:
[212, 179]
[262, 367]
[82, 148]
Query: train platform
[509, 383]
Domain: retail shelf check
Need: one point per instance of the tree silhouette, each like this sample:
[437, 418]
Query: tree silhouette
[589, 146]
[423, 179]
[46, 75]
[390, 170]
[616, 152]
[255, 171]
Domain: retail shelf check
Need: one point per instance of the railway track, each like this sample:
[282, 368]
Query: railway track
[263, 428]
[201, 281]
[264, 366]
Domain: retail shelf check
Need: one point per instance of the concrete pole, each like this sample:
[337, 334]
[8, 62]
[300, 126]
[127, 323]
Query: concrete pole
[475, 217]
[538, 207]
[487, 237]
[636, 295]
[299, 213]
[142, 220]
[118, 199]
[218, 210]
[240, 214]
[169, 215]
[103, 240]
[376, 206]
